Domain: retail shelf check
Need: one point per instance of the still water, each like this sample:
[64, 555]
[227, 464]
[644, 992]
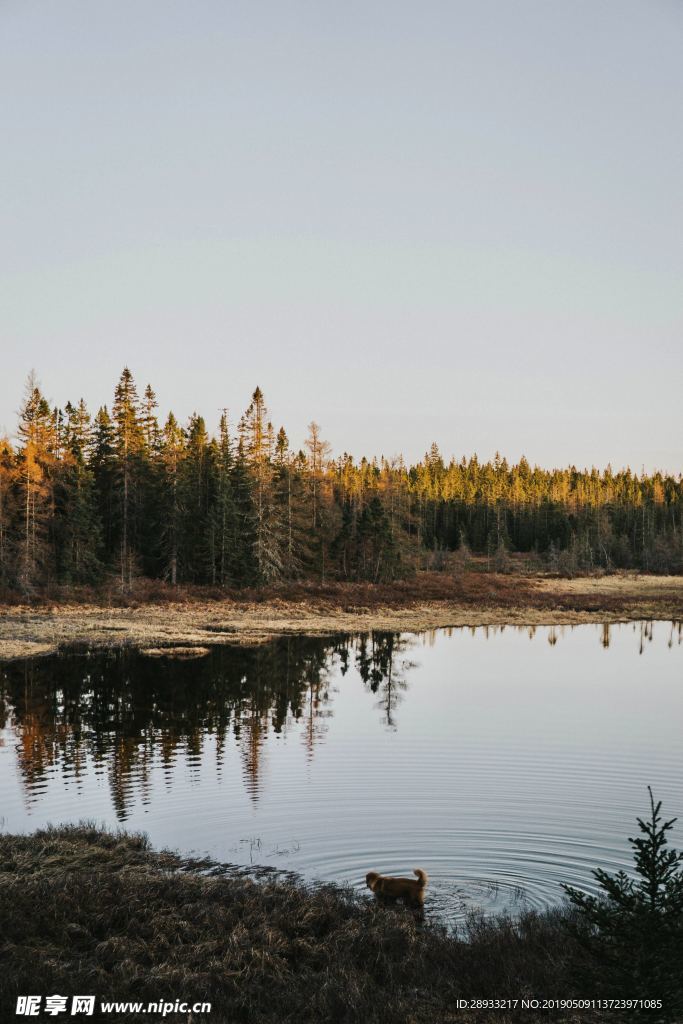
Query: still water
[503, 761]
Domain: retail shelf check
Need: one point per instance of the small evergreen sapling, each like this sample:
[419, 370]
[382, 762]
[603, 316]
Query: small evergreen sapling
[633, 930]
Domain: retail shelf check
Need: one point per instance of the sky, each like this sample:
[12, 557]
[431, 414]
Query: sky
[452, 221]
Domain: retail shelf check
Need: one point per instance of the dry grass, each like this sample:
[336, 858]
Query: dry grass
[176, 653]
[427, 601]
[85, 911]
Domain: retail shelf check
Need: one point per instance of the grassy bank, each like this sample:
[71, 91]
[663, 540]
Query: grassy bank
[85, 911]
[163, 616]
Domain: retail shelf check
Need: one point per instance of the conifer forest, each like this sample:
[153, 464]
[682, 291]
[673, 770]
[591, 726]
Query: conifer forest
[118, 495]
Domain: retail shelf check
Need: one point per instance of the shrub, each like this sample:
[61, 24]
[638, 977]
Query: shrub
[634, 928]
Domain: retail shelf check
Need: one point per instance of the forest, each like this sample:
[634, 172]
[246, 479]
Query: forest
[119, 496]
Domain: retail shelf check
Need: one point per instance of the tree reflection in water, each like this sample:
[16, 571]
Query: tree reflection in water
[381, 672]
[120, 713]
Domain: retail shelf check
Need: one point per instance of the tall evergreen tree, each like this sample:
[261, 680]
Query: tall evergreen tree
[243, 566]
[224, 509]
[8, 512]
[103, 465]
[320, 492]
[36, 463]
[149, 422]
[196, 476]
[173, 451]
[292, 500]
[129, 449]
[77, 520]
[268, 529]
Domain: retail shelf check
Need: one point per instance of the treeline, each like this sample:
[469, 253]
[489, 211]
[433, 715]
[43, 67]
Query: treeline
[86, 500]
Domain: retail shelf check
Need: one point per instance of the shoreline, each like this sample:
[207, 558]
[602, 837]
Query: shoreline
[424, 604]
[85, 910]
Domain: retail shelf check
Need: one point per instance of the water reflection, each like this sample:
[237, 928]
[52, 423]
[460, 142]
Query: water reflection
[643, 630]
[502, 759]
[383, 673]
[120, 712]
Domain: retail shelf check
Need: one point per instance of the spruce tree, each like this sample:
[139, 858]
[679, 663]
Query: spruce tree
[268, 528]
[291, 499]
[195, 481]
[243, 566]
[8, 513]
[172, 454]
[224, 510]
[633, 930]
[324, 524]
[36, 463]
[149, 422]
[77, 525]
[151, 488]
[103, 465]
[129, 450]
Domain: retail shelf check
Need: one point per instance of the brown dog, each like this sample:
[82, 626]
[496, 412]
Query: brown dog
[410, 889]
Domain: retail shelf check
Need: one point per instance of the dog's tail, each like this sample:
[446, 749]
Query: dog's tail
[422, 876]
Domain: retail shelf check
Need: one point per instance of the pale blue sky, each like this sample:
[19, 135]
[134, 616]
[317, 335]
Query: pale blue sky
[450, 221]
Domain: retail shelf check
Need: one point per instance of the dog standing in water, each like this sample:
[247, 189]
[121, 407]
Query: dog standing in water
[409, 889]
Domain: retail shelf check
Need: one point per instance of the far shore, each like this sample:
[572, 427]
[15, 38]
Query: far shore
[159, 618]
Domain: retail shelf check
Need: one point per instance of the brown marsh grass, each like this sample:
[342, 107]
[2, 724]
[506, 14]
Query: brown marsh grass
[155, 615]
[88, 911]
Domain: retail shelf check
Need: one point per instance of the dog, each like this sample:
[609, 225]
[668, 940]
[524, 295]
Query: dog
[409, 889]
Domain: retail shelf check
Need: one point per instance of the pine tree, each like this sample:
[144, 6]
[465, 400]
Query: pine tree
[149, 422]
[343, 550]
[77, 525]
[292, 505]
[173, 451]
[269, 537]
[243, 567]
[634, 928]
[224, 504]
[151, 488]
[378, 556]
[8, 513]
[129, 449]
[195, 480]
[36, 461]
[322, 522]
[103, 465]
[318, 453]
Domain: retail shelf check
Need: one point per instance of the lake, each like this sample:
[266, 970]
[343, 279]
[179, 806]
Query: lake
[501, 760]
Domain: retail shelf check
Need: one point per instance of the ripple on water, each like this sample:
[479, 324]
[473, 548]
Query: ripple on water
[501, 779]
